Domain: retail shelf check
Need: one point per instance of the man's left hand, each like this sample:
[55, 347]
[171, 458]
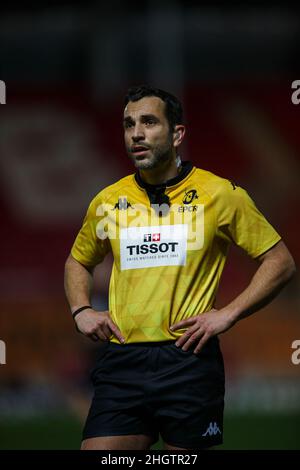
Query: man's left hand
[200, 328]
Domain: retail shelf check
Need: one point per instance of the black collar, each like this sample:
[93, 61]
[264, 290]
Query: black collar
[186, 169]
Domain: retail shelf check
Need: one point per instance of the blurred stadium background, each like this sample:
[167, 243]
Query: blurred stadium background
[67, 67]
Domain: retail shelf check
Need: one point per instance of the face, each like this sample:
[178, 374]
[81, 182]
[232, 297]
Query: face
[148, 138]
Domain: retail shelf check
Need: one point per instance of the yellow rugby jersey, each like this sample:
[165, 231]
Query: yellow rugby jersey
[168, 264]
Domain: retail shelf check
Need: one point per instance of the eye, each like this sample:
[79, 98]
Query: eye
[150, 122]
[128, 124]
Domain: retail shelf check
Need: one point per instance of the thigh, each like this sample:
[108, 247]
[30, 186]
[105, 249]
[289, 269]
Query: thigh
[130, 442]
[119, 406]
[191, 403]
[200, 429]
[170, 447]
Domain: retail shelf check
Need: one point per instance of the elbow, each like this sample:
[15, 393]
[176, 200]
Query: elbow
[280, 261]
[292, 269]
[289, 269]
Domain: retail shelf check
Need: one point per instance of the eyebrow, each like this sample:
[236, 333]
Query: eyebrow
[142, 117]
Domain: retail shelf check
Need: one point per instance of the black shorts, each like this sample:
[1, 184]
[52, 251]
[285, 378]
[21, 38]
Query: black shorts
[152, 388]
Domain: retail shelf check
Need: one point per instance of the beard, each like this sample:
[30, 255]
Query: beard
[154, 158]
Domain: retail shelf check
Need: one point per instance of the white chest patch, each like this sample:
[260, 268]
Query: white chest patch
[146, 247]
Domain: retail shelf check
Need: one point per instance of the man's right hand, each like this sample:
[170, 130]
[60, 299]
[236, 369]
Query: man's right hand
[97, 325]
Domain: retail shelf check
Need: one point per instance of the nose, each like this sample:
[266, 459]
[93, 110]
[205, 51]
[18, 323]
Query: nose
[138, 134]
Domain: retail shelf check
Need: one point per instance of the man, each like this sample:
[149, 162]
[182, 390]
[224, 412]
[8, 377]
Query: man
[169, 227]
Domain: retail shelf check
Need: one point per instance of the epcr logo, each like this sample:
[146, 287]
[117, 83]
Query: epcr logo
[190, 196]
[2, 352]
[2, 92]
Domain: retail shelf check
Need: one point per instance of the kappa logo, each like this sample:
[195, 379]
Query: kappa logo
[212, 430]
[190, 196]
[122, 204]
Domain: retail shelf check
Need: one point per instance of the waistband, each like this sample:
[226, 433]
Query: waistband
[142, 344]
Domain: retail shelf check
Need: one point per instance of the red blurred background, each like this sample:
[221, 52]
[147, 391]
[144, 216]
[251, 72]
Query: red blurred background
[61, 142]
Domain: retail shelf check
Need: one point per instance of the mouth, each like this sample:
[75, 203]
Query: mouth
[139, 150]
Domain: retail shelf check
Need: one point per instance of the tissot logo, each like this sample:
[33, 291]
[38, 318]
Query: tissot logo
[190, 196]
[152, 246]
[122, 204]
[152, 237]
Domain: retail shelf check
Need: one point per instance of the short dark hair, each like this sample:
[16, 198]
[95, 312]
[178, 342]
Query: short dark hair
[174, 113]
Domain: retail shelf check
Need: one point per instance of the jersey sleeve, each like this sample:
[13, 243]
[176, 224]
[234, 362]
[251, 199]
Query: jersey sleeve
[88, 249]
[240, 221]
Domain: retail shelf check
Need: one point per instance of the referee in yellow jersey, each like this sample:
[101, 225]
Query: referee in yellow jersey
[169, 226]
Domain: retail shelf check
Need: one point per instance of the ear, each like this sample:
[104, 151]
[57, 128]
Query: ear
[178, 134]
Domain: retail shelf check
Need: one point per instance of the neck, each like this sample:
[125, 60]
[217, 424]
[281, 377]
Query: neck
[161, 174]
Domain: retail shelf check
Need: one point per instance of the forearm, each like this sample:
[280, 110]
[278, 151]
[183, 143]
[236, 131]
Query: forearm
[78, 284]
[271, 276]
